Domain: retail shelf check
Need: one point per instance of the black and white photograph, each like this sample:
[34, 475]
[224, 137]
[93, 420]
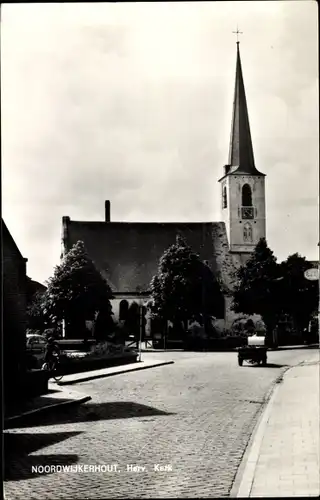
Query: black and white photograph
[160, 249]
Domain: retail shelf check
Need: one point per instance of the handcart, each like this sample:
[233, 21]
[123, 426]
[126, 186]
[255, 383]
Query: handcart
[255, 352]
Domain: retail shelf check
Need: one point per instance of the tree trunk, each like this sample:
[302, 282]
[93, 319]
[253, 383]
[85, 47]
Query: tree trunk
[76, 328]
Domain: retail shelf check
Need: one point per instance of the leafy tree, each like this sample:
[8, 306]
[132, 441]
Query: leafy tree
[299, 296]
[77, 291]
[36, 318]
[104, 324]
[184, 288]
[258, 287]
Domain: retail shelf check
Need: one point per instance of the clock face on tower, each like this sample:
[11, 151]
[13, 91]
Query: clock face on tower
[247, 213]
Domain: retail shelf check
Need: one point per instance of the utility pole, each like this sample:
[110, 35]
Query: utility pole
[140, 326]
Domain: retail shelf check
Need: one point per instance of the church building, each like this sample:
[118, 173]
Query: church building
[127, 253]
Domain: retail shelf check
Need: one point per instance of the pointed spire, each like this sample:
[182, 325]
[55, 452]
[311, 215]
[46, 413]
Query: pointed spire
[241, 157]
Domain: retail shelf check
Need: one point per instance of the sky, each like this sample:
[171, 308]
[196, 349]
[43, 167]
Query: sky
[133, 103]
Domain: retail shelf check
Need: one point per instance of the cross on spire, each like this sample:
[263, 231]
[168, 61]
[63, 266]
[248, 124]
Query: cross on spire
[238, 33]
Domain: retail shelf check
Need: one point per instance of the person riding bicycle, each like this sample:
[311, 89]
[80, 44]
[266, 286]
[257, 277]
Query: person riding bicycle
[52, 350]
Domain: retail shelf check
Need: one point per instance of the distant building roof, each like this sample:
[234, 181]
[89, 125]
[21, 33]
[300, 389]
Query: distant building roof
[34, 287]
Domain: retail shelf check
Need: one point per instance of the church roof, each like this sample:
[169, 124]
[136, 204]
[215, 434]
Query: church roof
[241, 158]
[128, 253]
[34, 287]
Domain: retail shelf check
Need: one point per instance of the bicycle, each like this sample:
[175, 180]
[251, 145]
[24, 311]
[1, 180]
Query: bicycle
[53, 367]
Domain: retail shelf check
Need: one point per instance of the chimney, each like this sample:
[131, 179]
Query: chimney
[65, 235]
[107, 210]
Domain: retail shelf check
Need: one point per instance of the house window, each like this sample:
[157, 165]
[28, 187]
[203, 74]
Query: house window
[123, 310]
[246, 196]
[224, 197]
[247, 232]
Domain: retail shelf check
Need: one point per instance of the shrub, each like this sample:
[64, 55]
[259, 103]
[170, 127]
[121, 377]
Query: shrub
[31, 361]
[219, 330]
[31, 331]
[109, 348]
[260, 327]
[120, 332]
[51, 332]
[102, 349]
[246, 325]
[74, 356]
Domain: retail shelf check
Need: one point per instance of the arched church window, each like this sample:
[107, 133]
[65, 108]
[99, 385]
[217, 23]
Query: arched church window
[246, 196]
[134, 307]
[123, 310]
[247, 232]
[224, 197]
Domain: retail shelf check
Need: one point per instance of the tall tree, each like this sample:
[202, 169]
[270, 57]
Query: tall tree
[299, 296]
[77, 291]
[184, 287]
[36, 319]
[258, 287]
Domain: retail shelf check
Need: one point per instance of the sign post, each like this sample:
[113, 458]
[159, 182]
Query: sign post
[312, 274]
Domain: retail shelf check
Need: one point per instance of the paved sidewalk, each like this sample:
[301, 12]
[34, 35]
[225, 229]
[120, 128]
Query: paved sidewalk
[283, 459]
[59, 397]
[76, 378]
[54, 400]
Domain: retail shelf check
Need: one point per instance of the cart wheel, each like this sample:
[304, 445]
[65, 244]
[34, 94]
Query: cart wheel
[240, 361]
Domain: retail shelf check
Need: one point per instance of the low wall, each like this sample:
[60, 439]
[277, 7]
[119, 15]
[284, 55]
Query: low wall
[75, 344]
[33, 383]
[85, 365]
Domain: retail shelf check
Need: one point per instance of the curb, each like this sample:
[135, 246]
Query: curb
[244, 477]
[163, 350]
[235, 349]
[103, 375]
[294, 347]
[44, 409]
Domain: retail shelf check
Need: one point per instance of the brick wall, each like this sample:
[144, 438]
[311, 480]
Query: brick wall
[226, 265]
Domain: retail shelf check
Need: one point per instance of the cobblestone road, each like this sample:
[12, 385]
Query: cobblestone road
[196, 416]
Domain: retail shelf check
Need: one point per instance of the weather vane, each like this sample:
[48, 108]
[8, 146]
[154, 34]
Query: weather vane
[237, 33]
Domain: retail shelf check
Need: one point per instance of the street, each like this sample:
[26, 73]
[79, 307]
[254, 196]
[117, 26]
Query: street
[173, 431]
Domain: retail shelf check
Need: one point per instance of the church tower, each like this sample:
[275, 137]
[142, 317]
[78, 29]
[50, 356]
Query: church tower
[242, 185]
